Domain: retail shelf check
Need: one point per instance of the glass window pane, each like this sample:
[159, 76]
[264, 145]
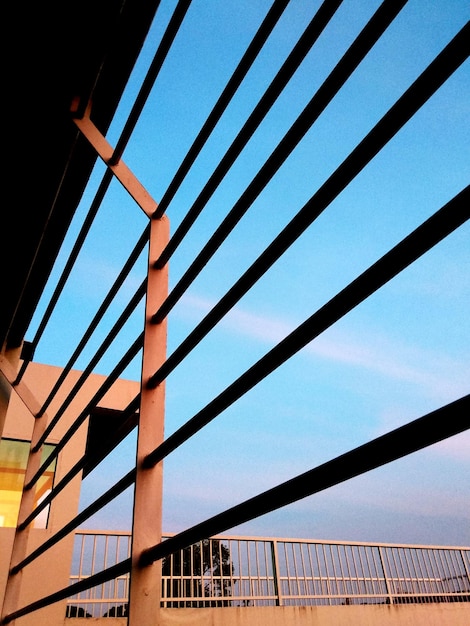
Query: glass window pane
[13, 460]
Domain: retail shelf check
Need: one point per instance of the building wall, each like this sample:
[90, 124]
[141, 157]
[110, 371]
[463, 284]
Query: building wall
[51, 571]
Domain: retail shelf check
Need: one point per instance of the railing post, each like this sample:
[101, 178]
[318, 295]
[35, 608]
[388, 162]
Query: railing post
[276, 578]
[384, 570]
[145, 581]
[464, 563]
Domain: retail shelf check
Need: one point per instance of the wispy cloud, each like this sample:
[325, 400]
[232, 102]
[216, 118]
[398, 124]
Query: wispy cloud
[439, 376]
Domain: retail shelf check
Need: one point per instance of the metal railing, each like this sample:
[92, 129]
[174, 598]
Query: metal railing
[227, 571]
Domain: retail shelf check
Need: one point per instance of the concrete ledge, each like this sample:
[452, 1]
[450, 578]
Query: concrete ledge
[456, 614]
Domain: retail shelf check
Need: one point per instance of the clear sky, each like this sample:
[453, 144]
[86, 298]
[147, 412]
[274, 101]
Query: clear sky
[399, 355]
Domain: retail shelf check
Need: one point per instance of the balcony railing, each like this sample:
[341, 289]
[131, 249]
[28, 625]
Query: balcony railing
[253, 571]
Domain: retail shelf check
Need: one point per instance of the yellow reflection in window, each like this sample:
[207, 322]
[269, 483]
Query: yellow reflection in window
[13, 460]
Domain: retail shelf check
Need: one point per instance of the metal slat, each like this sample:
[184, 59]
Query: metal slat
[416, 435]
[293, 61]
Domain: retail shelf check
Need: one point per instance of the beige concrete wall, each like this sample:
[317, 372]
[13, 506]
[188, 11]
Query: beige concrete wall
[51, 572]
[418, 615]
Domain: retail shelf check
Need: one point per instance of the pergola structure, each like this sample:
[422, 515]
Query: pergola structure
[68, 70]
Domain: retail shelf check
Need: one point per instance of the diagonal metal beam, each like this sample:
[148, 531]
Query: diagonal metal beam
[425, 431]
[106, 152]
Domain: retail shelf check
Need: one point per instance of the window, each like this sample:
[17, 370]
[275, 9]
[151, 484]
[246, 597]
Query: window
[13, 460]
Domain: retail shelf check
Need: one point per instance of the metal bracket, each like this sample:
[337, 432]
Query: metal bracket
[105, 151]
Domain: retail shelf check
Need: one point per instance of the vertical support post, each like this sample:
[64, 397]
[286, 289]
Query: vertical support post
[12, 358]
[20, 542]
[467, 571]
[145, 583]
[276, 579]
[384, 570]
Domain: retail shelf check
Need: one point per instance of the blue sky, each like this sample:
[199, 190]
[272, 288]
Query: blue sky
[402, 353]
